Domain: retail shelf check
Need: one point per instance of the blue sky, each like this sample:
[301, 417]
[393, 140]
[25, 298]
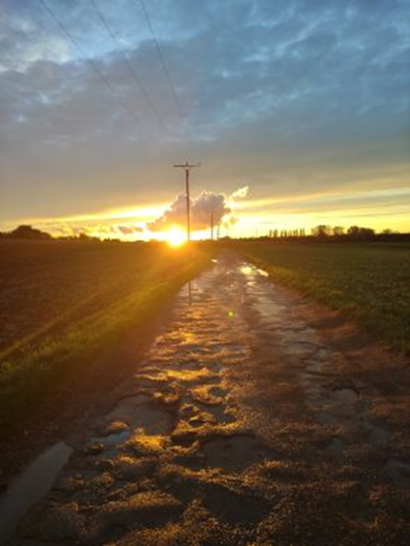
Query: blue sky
[306, 102]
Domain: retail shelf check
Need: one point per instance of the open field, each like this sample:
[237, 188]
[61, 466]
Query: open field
[62, 304]
[369, 282]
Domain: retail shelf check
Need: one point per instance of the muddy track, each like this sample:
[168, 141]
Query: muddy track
[249, 422]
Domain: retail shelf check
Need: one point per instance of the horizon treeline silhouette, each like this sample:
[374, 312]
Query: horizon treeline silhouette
[321, 232]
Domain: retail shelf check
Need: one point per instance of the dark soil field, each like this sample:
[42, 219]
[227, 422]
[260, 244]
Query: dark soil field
[43, 284]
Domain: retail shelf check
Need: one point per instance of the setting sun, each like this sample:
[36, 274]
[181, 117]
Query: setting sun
[175, 237]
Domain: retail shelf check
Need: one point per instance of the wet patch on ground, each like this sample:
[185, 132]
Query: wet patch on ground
[235, 453]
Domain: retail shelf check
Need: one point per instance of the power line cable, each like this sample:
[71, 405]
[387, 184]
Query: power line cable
[163, 63]
[130, 68]
[93, 65]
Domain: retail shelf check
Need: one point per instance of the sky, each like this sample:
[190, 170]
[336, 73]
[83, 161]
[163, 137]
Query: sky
[298, 111]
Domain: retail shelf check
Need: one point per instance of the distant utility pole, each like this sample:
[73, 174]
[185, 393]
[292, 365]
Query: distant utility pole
[212, 224]
[187, 167]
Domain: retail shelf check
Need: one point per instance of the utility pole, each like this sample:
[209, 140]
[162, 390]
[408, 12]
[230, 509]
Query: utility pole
[187, 167]
[212, 224]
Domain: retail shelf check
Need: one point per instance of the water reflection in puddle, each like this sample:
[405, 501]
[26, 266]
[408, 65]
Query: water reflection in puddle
[247, 270]
[137, 414]
[252, 271]
[31, 486]
[262, 272]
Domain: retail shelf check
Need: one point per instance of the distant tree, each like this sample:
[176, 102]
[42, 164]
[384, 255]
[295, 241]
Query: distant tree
[360, 232]
[83, 237]
[387, 231]
[322, 231]
[353, 230]
[338, 231]
[28, 232]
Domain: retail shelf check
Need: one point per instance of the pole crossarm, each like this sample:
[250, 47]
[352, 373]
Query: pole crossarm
[187, 165]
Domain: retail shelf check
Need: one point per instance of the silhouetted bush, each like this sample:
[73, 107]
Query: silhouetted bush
[28, 232]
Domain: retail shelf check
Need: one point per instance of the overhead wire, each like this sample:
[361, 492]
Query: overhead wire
[163, 64]
[130, 68]
[93, 65]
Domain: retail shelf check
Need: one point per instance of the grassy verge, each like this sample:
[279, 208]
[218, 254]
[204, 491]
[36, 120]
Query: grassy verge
[369, 282]
[70, 342]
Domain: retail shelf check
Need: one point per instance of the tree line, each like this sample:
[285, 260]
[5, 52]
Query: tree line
[27, 232]
[323, 231]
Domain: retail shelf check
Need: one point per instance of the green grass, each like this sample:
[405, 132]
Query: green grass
[369, 282]
[66, 304]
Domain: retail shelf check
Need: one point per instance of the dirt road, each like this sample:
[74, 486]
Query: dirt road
[256, 419]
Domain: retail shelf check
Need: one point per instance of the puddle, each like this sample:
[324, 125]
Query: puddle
[269, 310]
[262, 272]
[345, 396]
[327, 418]
[302, 349]
[252, 271]
[235, 452]
[314, 366]
[217, 391]
[31, 486]
[151, 419]
[113, 439]
[247, 270]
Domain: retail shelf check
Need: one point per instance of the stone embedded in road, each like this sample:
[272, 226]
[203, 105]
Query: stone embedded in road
[148, 508]
[94, 449]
